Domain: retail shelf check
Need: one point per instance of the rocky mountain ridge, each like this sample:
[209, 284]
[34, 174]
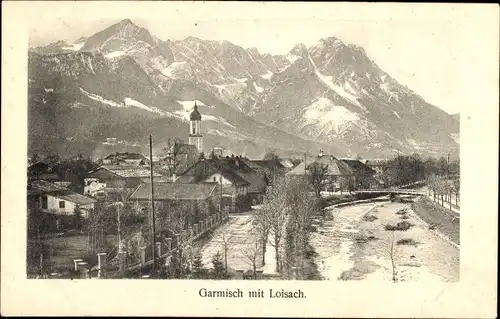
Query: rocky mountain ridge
[331, 93]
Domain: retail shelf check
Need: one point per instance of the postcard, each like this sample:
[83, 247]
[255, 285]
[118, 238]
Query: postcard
[249, 159]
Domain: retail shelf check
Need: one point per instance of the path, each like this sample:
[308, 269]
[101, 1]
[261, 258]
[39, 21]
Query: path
[236, 232]
[454, 208]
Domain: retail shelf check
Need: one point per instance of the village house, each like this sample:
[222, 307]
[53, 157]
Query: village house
[201, 200]
[377, 165]
[240, 182]
[338, 174]
[58, 202]
[364, 175]
[42, 171]
[116, 179]
[125, 158]
[269, 168]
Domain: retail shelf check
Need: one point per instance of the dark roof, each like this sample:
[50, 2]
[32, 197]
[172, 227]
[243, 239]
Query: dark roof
[127, 171]
[42, 170]
[359, 167]
[185, 179]
[174, 191]
[269, 164]
[126, 155]
[43, 187]
[229, 174]
[46, 187]
[157, 179]
[77, 198]
[257, 180]
[335, 167]
[195, 115]
[375, 162]
[234, 178]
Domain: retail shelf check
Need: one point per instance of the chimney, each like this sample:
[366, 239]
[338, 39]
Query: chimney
[320, 153]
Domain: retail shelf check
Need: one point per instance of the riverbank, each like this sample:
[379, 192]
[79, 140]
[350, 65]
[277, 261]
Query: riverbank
[443, 220]
[353, 244]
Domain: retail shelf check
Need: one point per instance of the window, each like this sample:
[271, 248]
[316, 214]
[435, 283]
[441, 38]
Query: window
[62, 204]
[194, 129]
[44, 202]
[215, 179]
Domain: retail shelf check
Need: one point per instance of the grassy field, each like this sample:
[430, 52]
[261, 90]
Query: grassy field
[62, 251]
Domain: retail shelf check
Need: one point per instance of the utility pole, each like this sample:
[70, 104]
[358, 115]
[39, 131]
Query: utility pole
[305, 163]
[220, 196]
[153, 237]
[119, 228]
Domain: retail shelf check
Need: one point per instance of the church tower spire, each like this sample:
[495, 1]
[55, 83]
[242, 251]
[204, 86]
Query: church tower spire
[195, 136]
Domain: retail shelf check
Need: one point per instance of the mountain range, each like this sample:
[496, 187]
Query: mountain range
[125, 83]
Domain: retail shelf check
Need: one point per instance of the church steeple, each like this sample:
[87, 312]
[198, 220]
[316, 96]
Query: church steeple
[195, 114]
[195, 136]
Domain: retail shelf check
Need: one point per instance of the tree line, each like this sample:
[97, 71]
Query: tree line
[407, 169]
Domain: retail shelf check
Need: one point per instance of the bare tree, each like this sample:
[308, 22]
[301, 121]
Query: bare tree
[317, 172]
[227, 241]
[432, 182]
[173, 155]
[275, 215]
[392, 255]
[456, 188]
[302, 208]
[171, 219]
[251, 251]
[262, 228]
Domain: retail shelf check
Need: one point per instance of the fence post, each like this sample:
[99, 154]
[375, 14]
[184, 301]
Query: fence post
[143, 255]
[83, 269]
[101, 261]
[122, 259]
[76, 261]
[158, 248]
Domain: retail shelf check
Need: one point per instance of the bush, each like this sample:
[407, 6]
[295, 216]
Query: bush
[404, 217]
[369, 218]
[323, 203]
[362, 239]
[402, 212]
[400, 226]
[407, 241]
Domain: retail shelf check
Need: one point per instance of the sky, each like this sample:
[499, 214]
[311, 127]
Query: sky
[435, 50]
